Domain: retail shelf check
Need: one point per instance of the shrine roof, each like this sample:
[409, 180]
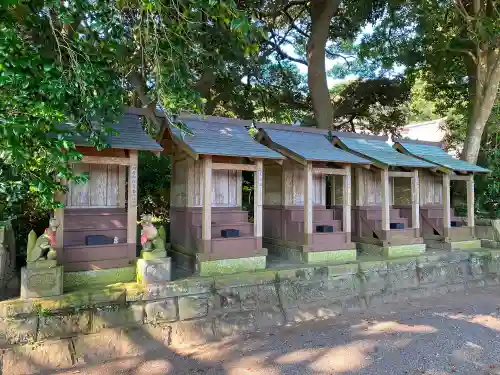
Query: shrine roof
[434, 153]
[129, 135]
[219, 136]
[307, 143]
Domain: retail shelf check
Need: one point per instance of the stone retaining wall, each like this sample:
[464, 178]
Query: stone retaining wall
[213, 307]
[488, 231]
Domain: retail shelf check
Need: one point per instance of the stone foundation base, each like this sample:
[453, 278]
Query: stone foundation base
[340, 256]
[225, 266]
[464, 245]
[490, 244]
[453, 245]
[391, 251]
[153, 270]
[285, 253]
[41, 282]
[91, 278]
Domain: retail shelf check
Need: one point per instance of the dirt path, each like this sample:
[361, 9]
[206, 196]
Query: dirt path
[456, 334]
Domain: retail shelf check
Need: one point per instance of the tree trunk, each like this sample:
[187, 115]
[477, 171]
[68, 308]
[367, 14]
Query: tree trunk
[483, 91]
[322, 12]
[205, 83]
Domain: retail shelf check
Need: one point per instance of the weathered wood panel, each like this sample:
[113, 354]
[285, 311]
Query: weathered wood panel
[178, 194]
[98, 181]
[258, 192]
[431, 188]
[368, 187]
[133, 171]
[122, 178]
[319, 189]
[294, 186]
[103, 188]
[113, 189]
[272, 185]
[79, 193]
[226, 187]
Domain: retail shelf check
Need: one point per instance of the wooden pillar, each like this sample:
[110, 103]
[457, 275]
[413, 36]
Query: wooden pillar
[190, 183]
[332, 190]
[346, 203]
[415, 202]
[358, 185]
[59, 215]
[122, 177]
[132, 199]
[206, 214]
[257, 199]
[308, 206]
[446, 205]
[385, 202]
[470, 202]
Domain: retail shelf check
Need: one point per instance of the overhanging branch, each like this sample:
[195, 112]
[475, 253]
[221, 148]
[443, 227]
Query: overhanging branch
[285, 55]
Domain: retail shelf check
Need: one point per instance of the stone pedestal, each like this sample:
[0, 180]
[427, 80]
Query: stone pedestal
[153, 269]
[334, 256]
[391, 251]
[41, 281]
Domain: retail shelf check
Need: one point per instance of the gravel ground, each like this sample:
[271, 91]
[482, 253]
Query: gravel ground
[455, 334]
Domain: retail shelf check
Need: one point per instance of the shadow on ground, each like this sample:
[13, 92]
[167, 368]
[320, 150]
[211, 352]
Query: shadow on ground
[456, 334]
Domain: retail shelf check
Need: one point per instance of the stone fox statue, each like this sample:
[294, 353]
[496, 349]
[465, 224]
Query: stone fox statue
[152, 238]
[42, 247]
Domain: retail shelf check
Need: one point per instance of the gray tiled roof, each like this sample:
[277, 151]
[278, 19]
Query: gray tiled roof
[379, 150]
[312, 146]
[220, 136]
[130, 136]
[437, 155]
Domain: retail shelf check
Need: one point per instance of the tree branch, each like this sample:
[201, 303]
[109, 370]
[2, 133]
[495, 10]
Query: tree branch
[292, 23]
[461, 9]
[294, 3]
[338, 55]
[464, 51]
[284, 55]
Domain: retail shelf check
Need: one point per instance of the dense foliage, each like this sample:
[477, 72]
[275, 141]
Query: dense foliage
[80, 62]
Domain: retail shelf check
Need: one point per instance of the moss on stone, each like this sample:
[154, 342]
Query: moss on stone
[343, 269]
[375, 265]
[463, 245]
[245, 278]
[83, 279]
[339, 256]
[403, 250]
[227, 266]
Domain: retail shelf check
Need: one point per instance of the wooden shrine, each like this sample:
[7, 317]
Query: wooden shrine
[98, 225]
[379, 223]
[209, 229]
[298, 224]
[440, 225]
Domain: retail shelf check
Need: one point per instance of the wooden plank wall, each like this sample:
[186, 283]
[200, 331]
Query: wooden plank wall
[294, 185]
[101, 189]
[272, 185]
[431, 188]
[226, 186]
[178, 193]
[367, 190]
